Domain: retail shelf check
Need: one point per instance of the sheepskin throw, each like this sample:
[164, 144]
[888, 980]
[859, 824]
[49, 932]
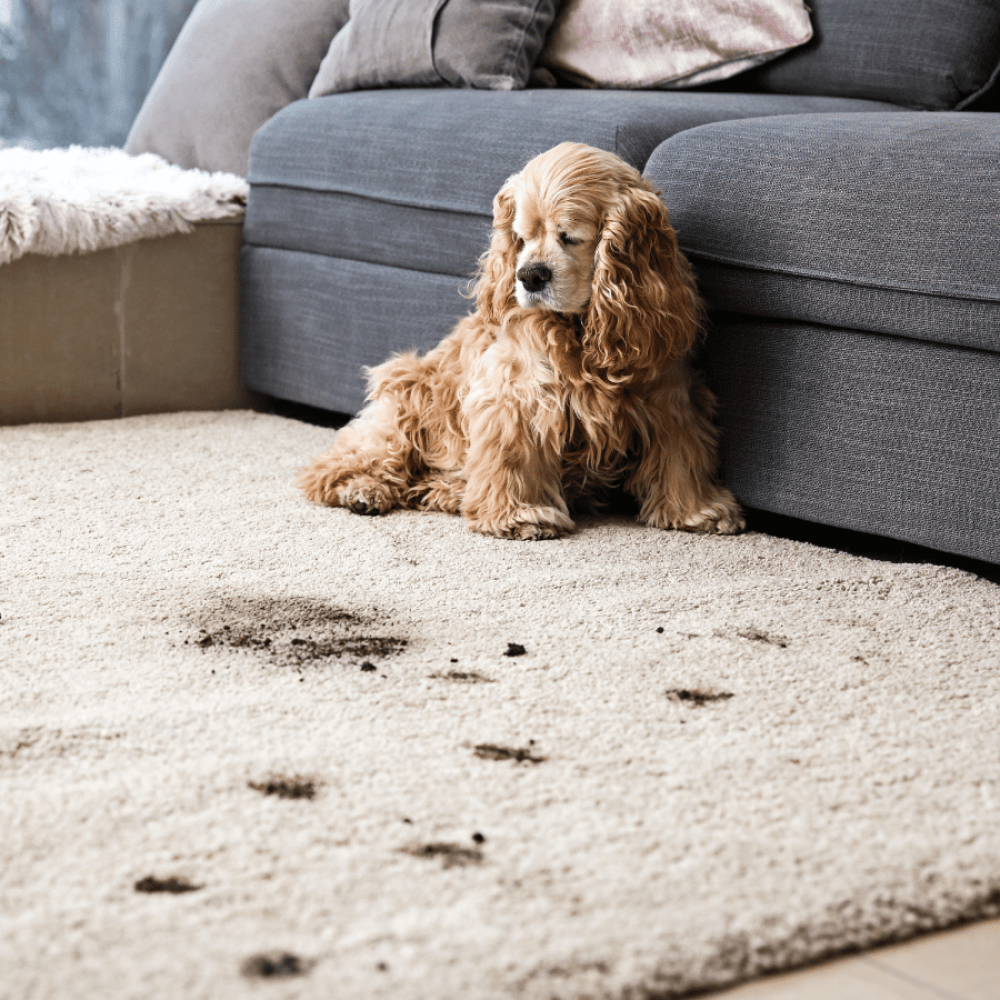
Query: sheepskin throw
[77, 200]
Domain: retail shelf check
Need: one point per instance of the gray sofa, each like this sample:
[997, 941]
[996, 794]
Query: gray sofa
[841, 206]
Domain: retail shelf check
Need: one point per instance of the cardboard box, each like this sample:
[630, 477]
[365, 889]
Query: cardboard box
[150, 327]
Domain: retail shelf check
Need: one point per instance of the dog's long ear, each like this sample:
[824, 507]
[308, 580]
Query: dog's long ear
[644, 307]
[494, 288]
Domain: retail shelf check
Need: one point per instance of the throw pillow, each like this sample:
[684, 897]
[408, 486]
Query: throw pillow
[488, 44]
[669, 43]
[234, 65]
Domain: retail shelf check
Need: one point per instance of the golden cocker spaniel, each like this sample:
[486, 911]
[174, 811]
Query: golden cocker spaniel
[570, 378]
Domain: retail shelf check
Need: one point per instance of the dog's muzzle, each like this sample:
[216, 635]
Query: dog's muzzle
[534, 277]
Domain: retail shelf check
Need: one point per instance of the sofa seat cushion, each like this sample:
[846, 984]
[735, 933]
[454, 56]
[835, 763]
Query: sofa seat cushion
[884, 223]
[406, 178]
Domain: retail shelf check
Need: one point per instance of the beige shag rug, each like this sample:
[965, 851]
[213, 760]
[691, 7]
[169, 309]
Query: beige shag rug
[244, 739]
[81, 199]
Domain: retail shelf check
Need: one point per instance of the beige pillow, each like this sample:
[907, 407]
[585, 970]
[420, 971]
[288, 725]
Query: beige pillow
[669, 43]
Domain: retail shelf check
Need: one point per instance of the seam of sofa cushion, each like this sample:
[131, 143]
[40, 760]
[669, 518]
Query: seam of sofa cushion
[512, 57]
[353, 260]
[382, 199]
[803, 272]
[467, 277]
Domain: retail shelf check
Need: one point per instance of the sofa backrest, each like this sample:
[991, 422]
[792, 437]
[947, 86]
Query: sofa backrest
[932, 55]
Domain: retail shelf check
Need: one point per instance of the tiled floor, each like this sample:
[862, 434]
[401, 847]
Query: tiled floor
[962, 964]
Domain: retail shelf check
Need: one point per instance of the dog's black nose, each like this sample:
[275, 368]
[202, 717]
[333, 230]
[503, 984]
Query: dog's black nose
[534, 277]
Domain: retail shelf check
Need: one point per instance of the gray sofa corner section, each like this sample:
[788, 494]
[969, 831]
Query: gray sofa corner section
[850, 264]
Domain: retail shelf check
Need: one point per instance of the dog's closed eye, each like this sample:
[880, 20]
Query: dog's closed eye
[569, 241]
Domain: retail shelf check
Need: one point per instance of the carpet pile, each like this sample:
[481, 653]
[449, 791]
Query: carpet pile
[249, 744]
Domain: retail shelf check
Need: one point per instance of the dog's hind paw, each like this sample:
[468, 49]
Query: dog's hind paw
[719, 515]
[716, 519]
[365, 495]
[358, 492]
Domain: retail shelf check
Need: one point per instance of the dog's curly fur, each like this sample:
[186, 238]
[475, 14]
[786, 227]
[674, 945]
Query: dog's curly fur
[569, 379]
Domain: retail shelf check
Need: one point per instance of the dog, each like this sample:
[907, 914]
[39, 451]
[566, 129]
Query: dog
[570, 379]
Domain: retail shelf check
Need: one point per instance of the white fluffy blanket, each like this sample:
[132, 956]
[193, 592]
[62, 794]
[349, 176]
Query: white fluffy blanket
[59, 201]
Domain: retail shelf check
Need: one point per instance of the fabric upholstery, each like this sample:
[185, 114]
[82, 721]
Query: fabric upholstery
[888, 223]
[357, 228]
[234, 64]
[490, 44]
[349, 176]
[311, 322]
[685, 43]
[925, 54]
[880, 434]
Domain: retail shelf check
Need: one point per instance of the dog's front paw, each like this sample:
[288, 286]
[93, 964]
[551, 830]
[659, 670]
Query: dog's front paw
[525, 523]
[437, 494]
[719, 514]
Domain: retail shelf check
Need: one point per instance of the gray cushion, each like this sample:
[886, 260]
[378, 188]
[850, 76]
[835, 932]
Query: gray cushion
[888, 223]
[420, 43]
[234, 64]
[406, 178]
[880, 434]
[927, 54]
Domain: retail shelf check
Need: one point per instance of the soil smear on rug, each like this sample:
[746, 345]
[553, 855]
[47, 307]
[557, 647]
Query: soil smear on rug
[286, 786]
[690, 696]
[463, 677]
[293, 632]
[275, 965]
[755, 635]
[174, 886]
[36, 741]
[451, 855]
[523, 755]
